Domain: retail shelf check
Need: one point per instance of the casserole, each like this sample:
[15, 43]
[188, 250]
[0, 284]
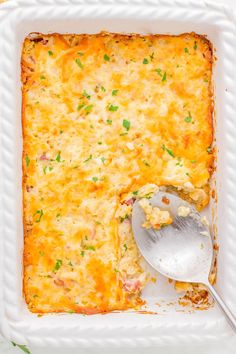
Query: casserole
[86, 159]
[123, 328]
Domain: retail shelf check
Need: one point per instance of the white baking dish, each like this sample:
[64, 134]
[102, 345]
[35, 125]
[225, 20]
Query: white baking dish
[173, 324]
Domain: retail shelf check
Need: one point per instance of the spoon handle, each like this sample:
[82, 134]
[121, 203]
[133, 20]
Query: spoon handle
[228, 314]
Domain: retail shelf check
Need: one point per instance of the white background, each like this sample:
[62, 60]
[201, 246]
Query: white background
[223, 347]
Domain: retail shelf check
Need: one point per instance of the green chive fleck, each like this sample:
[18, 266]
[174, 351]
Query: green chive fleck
[106, 57]
[27, 160]
[39, 213]
[88, 108]
[126, 124]
[164, 77]
[158, 70]
[113, 108]
[42, 77]
[78, 62]
[80, 106]
[22, 347]
[50, 53]
[170, 152]
[188, 119]
[114, 92]
[89, 158]
[195, 45]
[145, 61]
[90, 248]
[109, 121]
[135, 193]
[57, 265]
[85, 94]
[186, 50]
[94, 179]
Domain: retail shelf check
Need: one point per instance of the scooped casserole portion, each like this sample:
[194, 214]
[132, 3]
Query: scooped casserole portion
[107, 118]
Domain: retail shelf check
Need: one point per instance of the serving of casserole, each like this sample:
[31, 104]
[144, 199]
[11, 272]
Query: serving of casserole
[107, 118]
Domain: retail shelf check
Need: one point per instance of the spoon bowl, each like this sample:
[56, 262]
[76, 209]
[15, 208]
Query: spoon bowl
[182, 250]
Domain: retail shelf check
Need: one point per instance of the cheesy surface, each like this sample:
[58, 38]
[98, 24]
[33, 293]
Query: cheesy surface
[106, 118]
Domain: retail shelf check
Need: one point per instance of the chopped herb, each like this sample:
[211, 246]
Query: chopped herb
[58, 215]
[91, 126]
[158, 71]
[40, 214]
[41, 253]
[94, 179]
[145, 61]
[195, 45]
[103, 89]
[70, 264]
[45, 170]
[27, 160]
[78, 62]
[125, 247]
[114, 92]
[188, 119]
[86, 237]
[57, 265]
[193, 161]
[80, 106]
[103, 159]
[123, 218]
[146, 163]
[126, 124]
[75, 167]
[209, 150]
[85, 94]
[71, 311]
[109, 121]
[88, 108]
[22, 347]
[135, 193]
[35, 295]
[122, 134]
[42, 77]
[61, 131]
[80, 53]
[170, 152]
[179, 163]
[99, 143]
[50, 53]
[186, 50]
[106, 57]
[50, 168]
[152, 56]
[116, 270]
[113, 108]
[82, 253]
[58, 157]
[205, 80]
[177, 66]
[164, 77]
[187, 174]
[89, 158]
[90, 248]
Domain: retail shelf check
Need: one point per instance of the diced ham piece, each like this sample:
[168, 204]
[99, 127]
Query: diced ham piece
[129, 201]
[43, 157]
[132, 285]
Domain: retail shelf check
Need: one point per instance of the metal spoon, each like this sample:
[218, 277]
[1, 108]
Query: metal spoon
[182, 250]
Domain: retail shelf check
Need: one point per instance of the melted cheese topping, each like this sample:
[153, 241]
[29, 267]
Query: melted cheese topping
[155, 217]
[105, 117]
